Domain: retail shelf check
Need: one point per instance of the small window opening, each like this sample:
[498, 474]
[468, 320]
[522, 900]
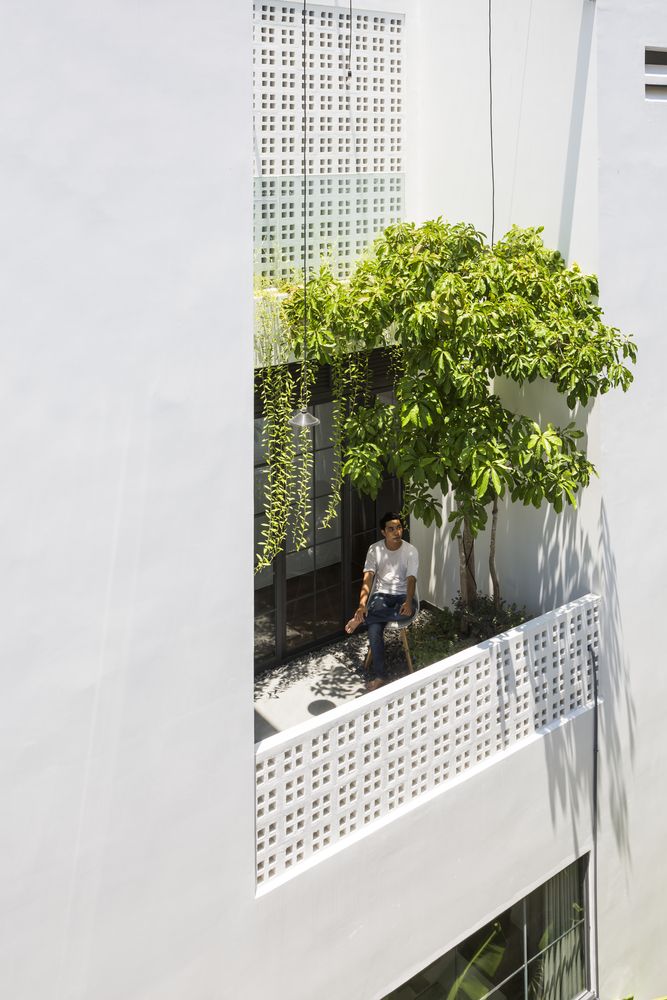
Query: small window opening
[655, 74]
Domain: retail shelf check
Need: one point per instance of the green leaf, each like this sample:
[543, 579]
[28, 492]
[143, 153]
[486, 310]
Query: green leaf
[483, 484]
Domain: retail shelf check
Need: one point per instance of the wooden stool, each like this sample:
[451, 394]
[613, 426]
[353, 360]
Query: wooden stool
[403, 630]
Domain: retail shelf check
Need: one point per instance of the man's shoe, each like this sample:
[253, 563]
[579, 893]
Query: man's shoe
[376, 683]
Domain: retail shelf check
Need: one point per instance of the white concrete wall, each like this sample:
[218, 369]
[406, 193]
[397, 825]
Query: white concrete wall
[632, 544]
[126, 795]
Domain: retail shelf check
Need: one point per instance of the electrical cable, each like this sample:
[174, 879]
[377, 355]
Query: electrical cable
[302, 418]
[468, 555]
[305, 193]
[493, 170]
[596, 753]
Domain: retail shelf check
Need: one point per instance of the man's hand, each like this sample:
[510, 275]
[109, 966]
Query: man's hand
[356, 619]
[405, 609]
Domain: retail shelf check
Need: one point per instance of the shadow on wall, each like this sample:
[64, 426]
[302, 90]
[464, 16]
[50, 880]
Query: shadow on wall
[576, 129]
[546, 560]
[564, 567]
[567, 567]
[438, 559]
[618, 715]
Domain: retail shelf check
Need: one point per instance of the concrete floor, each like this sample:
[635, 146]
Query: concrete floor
[317, 682]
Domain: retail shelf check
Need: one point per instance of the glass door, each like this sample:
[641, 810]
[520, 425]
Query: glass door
[314, 599]
[305, 597]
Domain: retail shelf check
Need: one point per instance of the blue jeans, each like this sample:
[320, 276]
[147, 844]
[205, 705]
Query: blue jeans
[382, 609]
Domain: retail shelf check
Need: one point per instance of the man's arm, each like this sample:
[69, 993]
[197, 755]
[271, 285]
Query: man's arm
[362, 610]
[366, 586]
[408, 606]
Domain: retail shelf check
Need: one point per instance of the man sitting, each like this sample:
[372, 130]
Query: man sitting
[390, 578]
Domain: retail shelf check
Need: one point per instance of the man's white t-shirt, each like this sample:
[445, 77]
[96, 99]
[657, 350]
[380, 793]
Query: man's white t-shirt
[391, 568]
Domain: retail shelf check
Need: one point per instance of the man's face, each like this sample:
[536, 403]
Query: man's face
[393, 533]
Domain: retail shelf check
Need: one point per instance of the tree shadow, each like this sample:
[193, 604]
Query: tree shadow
[569, 561]
[547, 560]
[580, 89]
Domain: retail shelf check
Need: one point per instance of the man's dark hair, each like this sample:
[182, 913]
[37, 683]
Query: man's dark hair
[391, 515]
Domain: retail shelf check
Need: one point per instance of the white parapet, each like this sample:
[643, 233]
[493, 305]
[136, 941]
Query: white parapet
[337, 776]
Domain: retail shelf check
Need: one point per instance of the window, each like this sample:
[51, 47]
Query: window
[655, 74]
[536, 950]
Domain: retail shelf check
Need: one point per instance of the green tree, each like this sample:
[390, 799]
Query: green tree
[456, 314]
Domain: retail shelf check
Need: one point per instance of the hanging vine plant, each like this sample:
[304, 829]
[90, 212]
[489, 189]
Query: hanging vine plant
[332, 340]
[275, 385]
[288, 449]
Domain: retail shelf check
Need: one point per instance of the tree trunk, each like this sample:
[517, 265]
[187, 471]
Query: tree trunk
[492, 556]
[467, 580]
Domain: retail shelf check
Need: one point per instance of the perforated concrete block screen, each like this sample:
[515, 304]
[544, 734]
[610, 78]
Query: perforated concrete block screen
[353, 131]
[349, 769]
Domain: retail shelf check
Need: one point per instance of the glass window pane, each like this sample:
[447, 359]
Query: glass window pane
[323, 471]
[493, 953]
[300, 622]
[555, 907]
[261, 474]
[329, 611]
[513, 989]
[389, 497]
[264, 590]
[260, 450]
[328, 575]
[334, 529]
[300, 568]
[362, 514]
[265, 631]
[560, 972]
[437, 980]
[360, 544]
[323, 430]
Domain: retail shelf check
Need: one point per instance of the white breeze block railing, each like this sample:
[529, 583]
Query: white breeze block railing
[333, 777]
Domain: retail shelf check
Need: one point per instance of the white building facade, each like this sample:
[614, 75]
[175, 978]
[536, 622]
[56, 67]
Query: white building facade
[129, 849]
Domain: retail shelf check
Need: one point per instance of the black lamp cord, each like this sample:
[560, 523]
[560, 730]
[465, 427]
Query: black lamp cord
[493, 170]
[468, 554]
[305, 195]
[596, 753]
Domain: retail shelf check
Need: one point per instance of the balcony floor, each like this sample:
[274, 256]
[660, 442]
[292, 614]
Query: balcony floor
[318, 681]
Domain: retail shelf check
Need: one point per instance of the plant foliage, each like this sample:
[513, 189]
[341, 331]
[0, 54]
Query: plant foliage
[456, 314]
[439, 632]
